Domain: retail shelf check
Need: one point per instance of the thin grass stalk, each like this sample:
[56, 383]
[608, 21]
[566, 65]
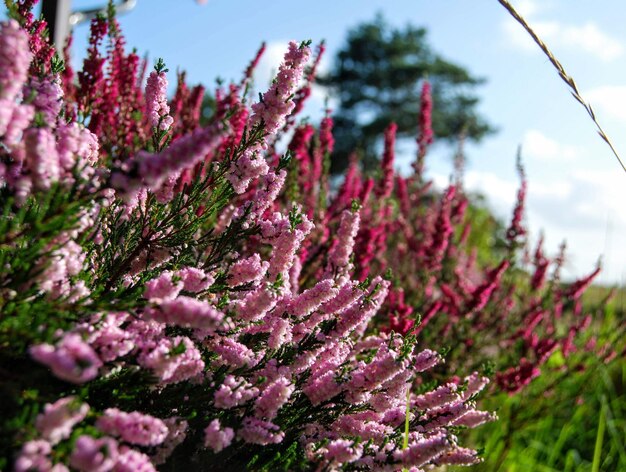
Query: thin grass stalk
[564, 76]
[597, 453]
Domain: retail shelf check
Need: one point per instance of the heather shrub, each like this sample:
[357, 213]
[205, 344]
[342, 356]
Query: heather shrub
[159, 307]
[506, 311]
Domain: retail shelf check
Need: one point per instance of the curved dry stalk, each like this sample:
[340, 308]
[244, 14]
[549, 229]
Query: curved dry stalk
[564, 76]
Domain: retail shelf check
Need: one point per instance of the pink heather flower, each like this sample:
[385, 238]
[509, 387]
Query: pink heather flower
[276, 103]
[233, 392]
[20, 119]
[438, 397]
[311, 299]
[234, 354]
[247, 270]
[272, 185]
[347, 296]
[247, 168]
[146, 335]
[322, 388]
[474, 418]
[217, 438]
[15, 58]
[458, 456]
[424, 450]
[475, 384]
[6, 112]
[285, 242]
[177, 432]
[425, 118]
[339, 255]
[133, 427]
[130, 460]
[195, 280]
[173, 360]
[514, 379]
[273, 397]
[516, 228]
[164, 287]
[153, 169]
[64, 262]
[342, 451]
[58, 419]
[367, 428]
[358, 315]
[76, 145]
[425, 360]
[34, 456]
[71, 359]
[41, 157]
[94, 455]
[271, 111]
[156, 101]
[256, 304]
[255, 431]
[281, 332]
[385, 186]
[187, 312]
[111, 341]
[383, 367]
[444, 415]
[48, 96]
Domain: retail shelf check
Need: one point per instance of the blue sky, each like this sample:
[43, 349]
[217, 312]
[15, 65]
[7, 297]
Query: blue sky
[576, 188]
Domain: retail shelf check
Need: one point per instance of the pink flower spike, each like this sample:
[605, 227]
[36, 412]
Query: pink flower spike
[134, 427]
[217, 438]
[156, 101]
[15, 58]
[94, 455]
[71, 359]
[59, 418]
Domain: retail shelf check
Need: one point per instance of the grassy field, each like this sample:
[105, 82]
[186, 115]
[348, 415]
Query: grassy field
[573, 419]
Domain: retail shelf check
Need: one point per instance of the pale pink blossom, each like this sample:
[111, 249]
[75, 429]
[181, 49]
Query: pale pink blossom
[173, 360]
[339, 255]
[216, 437]
[187, 312]
[15, 58]
[195, 280]
[133, 427]
[233, 392]
[248, 270]
[156, 101]
[273, 397]
[42, 159]
[59, 418]
[94, 455]
[131, 460]
[255, 431]
[71, 359]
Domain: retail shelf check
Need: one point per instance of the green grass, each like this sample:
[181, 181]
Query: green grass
[571, 419]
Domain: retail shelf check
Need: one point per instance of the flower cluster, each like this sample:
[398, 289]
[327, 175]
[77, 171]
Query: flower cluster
[159, 304]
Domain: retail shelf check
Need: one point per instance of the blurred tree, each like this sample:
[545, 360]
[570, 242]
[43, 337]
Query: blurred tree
[377, 77]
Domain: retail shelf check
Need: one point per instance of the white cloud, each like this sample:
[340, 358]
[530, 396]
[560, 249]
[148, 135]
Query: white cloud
[610, 99]
[583, 208]
[587, 38]
[527, 8]
[538, 146]
[269, 63]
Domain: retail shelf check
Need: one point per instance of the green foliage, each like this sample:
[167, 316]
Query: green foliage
[569, 419]
[377, 77]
